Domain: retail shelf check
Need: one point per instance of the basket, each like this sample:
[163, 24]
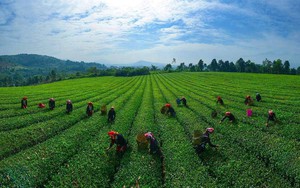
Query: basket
[141, 141]
[197, 137]
[103, 110]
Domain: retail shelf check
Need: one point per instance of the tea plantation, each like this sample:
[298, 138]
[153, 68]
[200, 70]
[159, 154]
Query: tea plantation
[40, 147]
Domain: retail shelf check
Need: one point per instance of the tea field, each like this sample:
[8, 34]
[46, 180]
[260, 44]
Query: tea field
[40, 147]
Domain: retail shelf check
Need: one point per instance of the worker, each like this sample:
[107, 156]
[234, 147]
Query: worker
[248, 101]
[205, 139]
[178, 101]
[119, 140]
[24, 102]
[220, 100]
[170, 110]
[90, 109]
[183, 99]
[41, 105]
[271, 117]
[69, 106]
[228, 115]
[258, 97]
[154, 147]
[51, 103]
[111, 115]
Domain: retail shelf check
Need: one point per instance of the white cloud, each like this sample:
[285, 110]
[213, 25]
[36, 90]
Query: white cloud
[101, 30]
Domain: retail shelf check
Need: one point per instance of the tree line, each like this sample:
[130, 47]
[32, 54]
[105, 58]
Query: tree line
[267, 66]
[15, 78]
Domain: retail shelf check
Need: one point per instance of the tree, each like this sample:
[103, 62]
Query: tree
[232, 67]
[92, 71]
[267, 66]
[53, 75]
[240, 65]
[213, 65]
[293, 71]
[250, 66]
[168, 67]
[181, 67]
[200, 65]
[221, 65]
[286, 67]
[153, 68]
[277, 67]
[298, 70]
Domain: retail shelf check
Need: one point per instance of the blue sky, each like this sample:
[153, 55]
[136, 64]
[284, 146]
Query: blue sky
[126, 31]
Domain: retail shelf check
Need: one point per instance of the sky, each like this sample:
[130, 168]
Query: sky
[126, 31]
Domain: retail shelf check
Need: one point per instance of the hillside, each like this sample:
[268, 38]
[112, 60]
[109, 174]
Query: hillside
[33, 62]
[40, 147]
[28, 69]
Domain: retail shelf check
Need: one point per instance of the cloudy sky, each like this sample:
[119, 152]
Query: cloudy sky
[126, 31]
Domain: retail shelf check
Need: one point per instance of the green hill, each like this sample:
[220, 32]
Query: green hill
[40, 147]
[24, 69]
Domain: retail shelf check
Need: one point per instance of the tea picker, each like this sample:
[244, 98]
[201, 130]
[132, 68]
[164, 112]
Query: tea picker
[271, 117]
[248, 100]
[200, 141]
[90, 109]
[41, 105]
[24, 102]
[69, 106]
[170, 110]
[178, 101]
[258, 97]
[220, 100]
[228, 115]
[111, 115]
[154, 147]
[183, 99]
[119, 140]
[51, 103]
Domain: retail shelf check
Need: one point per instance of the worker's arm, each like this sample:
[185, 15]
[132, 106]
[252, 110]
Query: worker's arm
[223, 119]
[111, 143]
[210, 144]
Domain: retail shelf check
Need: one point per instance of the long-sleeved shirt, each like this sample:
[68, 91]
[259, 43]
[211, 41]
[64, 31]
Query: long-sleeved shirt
[271, 117]
[206, 140]
[171, 111]
[119, 140]
[51, 104]
[111, 114]
[89, 109]
[23, 103]
[183, 101]
[69, 107]
[220, 101]
[153, 145]
[258, 97]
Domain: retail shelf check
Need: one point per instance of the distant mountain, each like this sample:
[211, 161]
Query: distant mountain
[140, 63]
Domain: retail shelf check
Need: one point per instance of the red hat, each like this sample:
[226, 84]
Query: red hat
[168, 105]
[112, 133]
[25, 98]
[271, 112]
[90, 103]
[227, 113]
[219, 97]
[148, 135]
[210, 130]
